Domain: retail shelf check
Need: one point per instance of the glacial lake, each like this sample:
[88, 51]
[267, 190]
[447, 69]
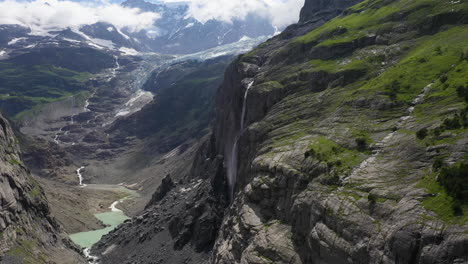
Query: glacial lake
[111, 219]
[89, 238]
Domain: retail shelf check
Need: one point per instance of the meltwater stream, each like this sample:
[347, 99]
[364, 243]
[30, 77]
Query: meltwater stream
[110, 219]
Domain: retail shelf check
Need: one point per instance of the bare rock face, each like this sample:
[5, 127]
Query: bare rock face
[292, 203]
[180, 223]
[28, 233]
[328, 167]
[324, 9]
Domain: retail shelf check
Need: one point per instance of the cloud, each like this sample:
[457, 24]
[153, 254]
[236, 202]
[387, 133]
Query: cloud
[280, 12]
[42, 16]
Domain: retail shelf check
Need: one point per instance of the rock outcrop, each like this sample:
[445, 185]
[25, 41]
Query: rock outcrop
[329, 168]
[28, 233]
[336, 133]
[180, 223]
[315, 10]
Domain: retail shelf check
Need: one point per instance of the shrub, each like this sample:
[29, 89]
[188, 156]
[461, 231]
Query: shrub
[444, 78]
[457, 209]
[438, 163]
[393, 89]
[333, 180]
[422, 133]
[455, 180]
[309, 153]
[361, 143]
[462, 91]
[452, 123]
[422, 60]
[371, 198]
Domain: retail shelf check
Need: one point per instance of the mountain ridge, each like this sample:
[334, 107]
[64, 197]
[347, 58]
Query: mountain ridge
[330, 165]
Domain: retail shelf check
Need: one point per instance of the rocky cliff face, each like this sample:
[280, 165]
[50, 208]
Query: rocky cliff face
[332, 166]
[324, 10]
[28, 233]
[335, 140]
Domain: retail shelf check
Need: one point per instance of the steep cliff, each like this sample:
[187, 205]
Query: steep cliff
[28, 233]
[340, 142]
[344, 131]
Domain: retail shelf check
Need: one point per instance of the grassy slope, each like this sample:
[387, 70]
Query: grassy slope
[26, 87]
[31, 80]
[395, 73]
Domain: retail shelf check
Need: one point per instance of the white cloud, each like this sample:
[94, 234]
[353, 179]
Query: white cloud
[42, 16]
[280, 12]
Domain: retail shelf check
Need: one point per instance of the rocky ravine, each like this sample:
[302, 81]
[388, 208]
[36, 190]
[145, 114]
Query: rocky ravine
[28, 233]
[331, 165]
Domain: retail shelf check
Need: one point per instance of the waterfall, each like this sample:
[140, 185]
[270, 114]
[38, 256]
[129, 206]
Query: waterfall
[57, 136]
[114, 70]
[80, 177]
[231, 166]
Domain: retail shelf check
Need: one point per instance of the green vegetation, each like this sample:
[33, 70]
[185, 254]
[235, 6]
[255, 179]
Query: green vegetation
[361, 143]
[269, 86]
[455, 180]
[426, 57]
[402, 86]
[35, 191]
[25, 87]
[339, 160]
[422, 133]
[14, 162]
[462, 92]
[448, 187]
[371, 17]
[25, 252]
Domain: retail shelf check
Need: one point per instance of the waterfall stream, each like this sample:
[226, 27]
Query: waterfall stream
[231, 166]
[114, 70]
[80, 176]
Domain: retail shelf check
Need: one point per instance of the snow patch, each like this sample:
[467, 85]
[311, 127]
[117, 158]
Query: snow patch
[128, 51]
[189, 25]
[103, 42]
[244, 38]
[71, 40]
[30, 46]
[15, 40]
[139, 99]
[94, 45]
[123, 34]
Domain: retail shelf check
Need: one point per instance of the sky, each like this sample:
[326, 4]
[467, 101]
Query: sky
[281, 12]
[47, 15]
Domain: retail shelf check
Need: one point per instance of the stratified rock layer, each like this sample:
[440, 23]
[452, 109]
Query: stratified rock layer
[332, 166]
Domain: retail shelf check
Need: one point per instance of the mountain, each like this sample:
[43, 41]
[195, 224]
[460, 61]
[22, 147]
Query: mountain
[341, 140]
[175, 32]
[28, 232]
[48, 74]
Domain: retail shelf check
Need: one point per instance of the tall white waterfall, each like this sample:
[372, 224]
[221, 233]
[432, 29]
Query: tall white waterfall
[231, 166]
